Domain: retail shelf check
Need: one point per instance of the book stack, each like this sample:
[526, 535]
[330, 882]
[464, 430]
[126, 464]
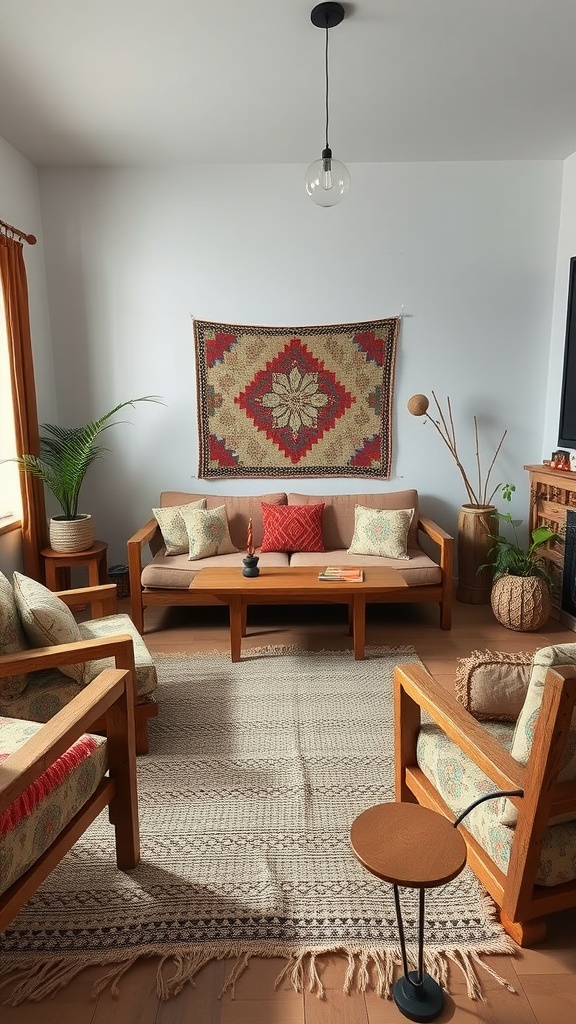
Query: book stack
[335, 573]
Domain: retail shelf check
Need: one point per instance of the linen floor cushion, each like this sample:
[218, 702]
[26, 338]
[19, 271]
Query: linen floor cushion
[12, 638]
[47, 621]
[208, 532]
[292, 527]
[545, 658]
[493, 684]
[382, 532]
[172, 526]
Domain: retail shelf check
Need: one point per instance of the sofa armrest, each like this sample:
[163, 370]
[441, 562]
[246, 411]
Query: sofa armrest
[143, 536]
[416, 690]
[102, 599]
[445, 543]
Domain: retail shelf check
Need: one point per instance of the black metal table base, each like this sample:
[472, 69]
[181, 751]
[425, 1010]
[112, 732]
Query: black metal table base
[416, 994]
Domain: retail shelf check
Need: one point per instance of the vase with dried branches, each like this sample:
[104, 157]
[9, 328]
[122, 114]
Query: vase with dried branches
[477, 521]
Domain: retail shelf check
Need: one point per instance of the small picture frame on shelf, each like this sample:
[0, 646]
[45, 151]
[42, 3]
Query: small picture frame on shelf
[560, 460]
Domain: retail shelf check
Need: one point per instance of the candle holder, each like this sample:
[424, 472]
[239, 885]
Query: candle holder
[250, 563]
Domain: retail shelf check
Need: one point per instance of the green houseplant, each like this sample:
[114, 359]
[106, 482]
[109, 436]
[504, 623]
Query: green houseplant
[66, 454]
[520, 595]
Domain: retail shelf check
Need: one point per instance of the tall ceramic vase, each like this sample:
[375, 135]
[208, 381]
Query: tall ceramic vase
[475, 524]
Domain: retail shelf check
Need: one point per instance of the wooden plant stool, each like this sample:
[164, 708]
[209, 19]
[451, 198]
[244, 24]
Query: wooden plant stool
[57, 565]
[410, 845]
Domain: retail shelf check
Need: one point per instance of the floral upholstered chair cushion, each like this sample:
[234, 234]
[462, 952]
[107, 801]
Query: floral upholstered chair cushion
[459, 781]
[31, 824]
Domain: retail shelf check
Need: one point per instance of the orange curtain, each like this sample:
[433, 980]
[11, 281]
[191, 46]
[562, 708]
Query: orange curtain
[15, 288]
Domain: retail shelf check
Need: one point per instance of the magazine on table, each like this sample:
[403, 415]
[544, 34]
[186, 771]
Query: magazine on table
[336, 573]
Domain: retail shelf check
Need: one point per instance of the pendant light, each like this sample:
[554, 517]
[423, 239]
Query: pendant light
[327, 180]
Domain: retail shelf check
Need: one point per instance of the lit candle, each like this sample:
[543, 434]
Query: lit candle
[249, 542]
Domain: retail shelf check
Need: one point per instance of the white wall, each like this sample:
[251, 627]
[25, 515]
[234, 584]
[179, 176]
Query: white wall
[469, 251]
[20, 206]
[566, 249]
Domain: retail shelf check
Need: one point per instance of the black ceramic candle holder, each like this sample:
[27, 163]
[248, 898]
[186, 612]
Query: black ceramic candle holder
[250, 566]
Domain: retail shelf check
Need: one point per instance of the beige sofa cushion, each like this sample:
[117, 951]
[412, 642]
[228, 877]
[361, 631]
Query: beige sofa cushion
[238, 509]
[338, 524]
[419, 571]
[176, 572]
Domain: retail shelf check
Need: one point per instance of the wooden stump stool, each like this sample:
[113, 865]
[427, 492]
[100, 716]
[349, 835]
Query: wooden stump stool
[410, 845]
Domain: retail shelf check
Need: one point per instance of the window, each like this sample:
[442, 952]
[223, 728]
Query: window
[10, 496]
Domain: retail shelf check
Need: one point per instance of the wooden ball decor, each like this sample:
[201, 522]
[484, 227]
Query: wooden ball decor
[418, 405]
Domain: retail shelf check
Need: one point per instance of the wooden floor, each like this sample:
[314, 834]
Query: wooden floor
[544, 977]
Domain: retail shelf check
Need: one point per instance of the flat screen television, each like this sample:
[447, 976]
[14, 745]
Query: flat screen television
[567, 428]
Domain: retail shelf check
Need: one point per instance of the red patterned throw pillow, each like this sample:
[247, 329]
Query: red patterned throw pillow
[292, 527]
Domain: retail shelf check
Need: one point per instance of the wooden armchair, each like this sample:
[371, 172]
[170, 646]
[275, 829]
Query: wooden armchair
[522, 902]
[109, 697]
[100, 622]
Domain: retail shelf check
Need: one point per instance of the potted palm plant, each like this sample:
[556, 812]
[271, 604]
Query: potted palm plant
[520, 596]
[66, 453]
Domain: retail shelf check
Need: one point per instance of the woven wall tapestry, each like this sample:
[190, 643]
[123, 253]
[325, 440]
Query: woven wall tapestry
[295, 401]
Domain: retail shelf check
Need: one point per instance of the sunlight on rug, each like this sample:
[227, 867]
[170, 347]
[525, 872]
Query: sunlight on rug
[256, 772]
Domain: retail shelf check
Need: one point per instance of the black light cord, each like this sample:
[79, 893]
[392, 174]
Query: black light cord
[326, 78]
[487, 796]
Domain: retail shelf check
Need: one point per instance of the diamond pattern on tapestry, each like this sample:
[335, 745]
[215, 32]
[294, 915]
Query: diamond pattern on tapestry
[295, 401]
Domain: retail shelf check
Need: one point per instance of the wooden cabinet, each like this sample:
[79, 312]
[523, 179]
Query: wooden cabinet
[552, 496]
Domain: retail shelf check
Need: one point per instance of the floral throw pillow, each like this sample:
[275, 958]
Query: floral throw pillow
[47, 621]
[12, 639]
[381, 532]
[547, 657]
[172, 525]
[292, 527]
[208, 533]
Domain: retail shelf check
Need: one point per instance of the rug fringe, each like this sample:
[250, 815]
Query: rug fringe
[366, 970]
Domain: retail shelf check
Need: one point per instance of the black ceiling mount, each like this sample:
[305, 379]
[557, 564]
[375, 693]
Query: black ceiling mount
[327, 15]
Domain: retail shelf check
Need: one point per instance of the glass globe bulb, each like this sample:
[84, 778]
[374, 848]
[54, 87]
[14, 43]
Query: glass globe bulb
[327, 181]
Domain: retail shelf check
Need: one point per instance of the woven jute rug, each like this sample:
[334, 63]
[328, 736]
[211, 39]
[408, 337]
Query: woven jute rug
[256, 773]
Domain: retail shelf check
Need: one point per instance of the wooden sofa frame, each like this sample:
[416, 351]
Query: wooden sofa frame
[109, 697]
[522, 903]
[147, 597]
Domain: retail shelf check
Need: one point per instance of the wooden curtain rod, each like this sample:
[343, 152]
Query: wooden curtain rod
[31, 239]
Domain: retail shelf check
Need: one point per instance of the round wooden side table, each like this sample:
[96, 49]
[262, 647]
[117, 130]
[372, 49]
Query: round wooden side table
[57, 565]
[412, 846]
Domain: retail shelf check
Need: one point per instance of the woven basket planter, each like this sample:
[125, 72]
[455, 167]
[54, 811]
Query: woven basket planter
[521, 602]
[71, 535]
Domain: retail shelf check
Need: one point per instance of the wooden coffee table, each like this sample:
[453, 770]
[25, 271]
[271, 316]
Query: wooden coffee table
[294, 585]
